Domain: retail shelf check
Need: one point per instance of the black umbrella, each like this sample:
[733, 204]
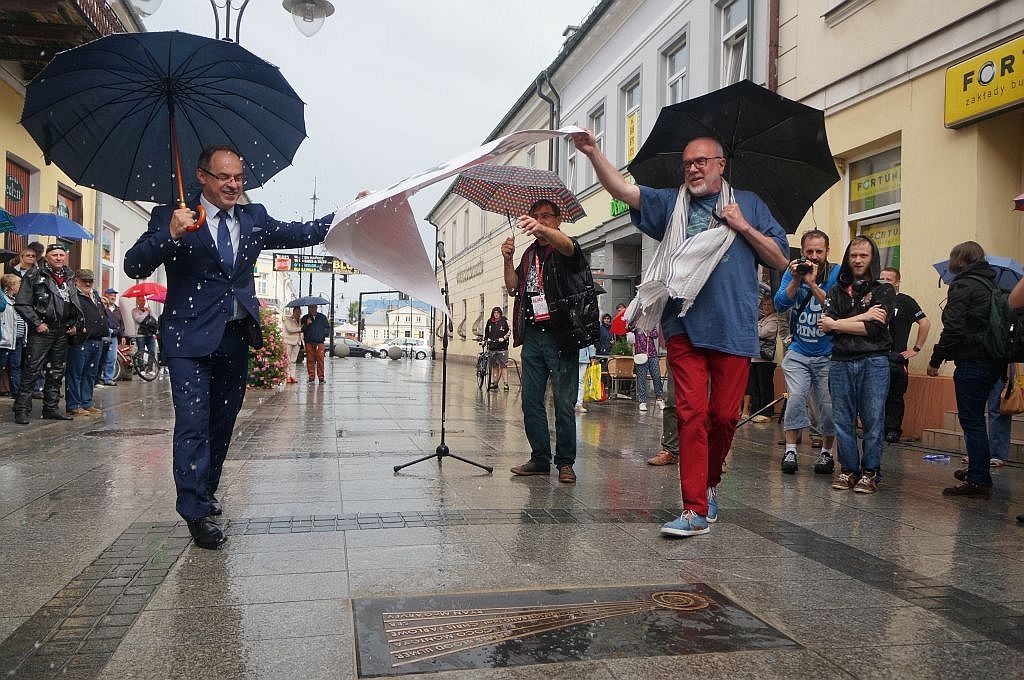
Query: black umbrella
[117, 114]
[306, 301]
[511, 190]
[775, 147]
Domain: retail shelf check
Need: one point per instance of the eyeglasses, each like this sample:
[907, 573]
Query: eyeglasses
[544, 216]
[222, 178]
[700, 163]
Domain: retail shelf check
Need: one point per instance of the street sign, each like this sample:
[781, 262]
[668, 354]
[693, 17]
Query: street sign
[311, 264]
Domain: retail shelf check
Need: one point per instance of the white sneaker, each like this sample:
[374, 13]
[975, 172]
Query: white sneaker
[661, 404]
[643, 406]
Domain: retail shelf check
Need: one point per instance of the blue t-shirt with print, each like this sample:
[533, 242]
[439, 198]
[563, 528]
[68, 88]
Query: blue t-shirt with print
[808, 339]
[724, 315]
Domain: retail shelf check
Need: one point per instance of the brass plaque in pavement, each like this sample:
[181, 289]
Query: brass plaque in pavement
[400, 635]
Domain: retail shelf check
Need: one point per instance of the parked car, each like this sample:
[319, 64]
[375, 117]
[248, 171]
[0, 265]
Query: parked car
[413, 347]
[358, 349]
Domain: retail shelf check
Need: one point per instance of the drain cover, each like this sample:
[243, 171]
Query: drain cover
[133, 432]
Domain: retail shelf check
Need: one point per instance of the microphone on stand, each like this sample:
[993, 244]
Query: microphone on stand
[440, 251]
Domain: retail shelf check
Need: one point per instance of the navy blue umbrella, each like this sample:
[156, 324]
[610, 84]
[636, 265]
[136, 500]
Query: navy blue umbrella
[118, 113]
[48, 224]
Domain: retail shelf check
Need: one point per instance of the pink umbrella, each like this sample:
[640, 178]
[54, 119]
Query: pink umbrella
[158, 297]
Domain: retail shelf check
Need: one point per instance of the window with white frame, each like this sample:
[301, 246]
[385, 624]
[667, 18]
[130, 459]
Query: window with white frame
[570, 167]
[596, 123]
[874, 202]
[465, 228]
[734, 17]
[531, 157]
[631, 118]
[677, 58]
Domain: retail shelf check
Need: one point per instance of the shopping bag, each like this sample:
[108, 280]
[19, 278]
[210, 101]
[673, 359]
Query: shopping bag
[592, 382]
[1011, 400]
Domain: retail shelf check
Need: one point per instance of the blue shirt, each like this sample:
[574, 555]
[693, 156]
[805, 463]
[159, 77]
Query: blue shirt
[724, 315]
[808, 339]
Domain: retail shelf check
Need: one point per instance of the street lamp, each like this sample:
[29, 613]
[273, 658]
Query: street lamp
[309, 15]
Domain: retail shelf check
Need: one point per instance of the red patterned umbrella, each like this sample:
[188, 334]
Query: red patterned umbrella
[144, 289]
[510, 190]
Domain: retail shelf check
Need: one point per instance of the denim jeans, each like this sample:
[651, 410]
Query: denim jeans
[972, 382]
[82, 362]
[859, 389]
[109, 368]
[804, 374]
[11, 359]
[650, 367]
[147, 342]
[541, 360]
[998, 424]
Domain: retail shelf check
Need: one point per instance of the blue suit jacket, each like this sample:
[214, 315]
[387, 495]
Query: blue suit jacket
[200, 289]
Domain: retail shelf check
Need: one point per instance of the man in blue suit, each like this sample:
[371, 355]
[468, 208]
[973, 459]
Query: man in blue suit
[210, 319]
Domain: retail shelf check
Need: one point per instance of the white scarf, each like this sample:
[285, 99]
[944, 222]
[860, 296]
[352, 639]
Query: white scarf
[681, 266]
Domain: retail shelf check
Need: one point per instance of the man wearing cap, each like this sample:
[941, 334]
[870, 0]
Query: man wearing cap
[115, 324]
[48, 303]
[210, 319]
[85, 351]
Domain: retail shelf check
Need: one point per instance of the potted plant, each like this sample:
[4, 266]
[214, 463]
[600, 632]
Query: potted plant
[620, 365]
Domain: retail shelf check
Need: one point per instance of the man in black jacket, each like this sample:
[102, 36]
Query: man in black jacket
[85, 352]
[49, 306]
[856, 312]
[535, 283]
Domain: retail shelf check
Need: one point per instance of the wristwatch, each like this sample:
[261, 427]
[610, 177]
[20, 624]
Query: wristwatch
[917, 349]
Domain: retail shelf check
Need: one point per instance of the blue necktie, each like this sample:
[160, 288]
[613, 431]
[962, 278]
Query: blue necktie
[224, 240]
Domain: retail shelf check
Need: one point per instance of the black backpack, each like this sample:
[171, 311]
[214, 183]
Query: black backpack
[1003, 337]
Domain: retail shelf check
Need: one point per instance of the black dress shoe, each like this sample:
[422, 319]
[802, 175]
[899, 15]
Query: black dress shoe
[215, 506]
[56, 415]
[21, 418]
[206, 533]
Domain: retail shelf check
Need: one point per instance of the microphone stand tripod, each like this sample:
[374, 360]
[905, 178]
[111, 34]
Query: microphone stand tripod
[442, 451]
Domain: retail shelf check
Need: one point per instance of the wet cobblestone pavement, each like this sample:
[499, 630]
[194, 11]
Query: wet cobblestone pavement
[98, 577]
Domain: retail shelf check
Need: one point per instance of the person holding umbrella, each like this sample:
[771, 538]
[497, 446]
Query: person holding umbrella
[315, 331]
[709, 349]
[211, 318]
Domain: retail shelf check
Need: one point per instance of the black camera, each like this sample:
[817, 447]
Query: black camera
[803, 266]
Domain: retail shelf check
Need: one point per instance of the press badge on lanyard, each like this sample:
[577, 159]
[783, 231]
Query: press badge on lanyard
[537, 300]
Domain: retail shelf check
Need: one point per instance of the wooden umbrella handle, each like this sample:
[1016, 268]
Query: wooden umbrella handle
[199, 209]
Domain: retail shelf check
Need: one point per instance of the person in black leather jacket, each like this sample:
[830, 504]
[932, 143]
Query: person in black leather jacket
[965, 315]
[49, 305]
[856, 312]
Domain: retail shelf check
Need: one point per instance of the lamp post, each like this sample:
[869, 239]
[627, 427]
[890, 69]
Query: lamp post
[309, 15]
[313, 198]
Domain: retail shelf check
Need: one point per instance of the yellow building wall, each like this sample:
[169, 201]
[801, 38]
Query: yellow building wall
[17, 144]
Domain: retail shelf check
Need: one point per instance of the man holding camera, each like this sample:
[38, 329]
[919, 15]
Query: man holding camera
[805, 366]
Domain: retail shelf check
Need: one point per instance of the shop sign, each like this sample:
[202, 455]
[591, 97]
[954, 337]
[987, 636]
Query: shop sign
[618, 207]
[870, 186]
[15, 192]
[985, 84]
[62, 208]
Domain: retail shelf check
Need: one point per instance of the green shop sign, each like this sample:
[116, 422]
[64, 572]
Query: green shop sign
[618, 207]
[15, 192]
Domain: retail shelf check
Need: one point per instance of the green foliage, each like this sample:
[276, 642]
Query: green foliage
[621, 348]
[268, 366]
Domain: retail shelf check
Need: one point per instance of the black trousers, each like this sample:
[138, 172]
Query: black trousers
[42, 348]
[894, 406]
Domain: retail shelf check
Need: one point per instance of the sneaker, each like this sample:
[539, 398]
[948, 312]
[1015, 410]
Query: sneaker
[566, 475]
[580, 408]
[78, 412]
[960, 475]
[94, 411]
[789, 465]
[663, 457]
[688, 524]
[996, 462]
[867, 483]
[531, 468]
[845, 481]
[712, 505]
[760, 419]
[506, 387]
[660, 403]
[824, 465]
[968, 490]
[643, 406]
[892, 436]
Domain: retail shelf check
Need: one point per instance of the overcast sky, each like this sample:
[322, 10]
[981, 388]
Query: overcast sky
[392, 87]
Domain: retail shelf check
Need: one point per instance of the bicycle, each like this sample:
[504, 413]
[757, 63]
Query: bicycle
[487, 365]
[135, 359]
